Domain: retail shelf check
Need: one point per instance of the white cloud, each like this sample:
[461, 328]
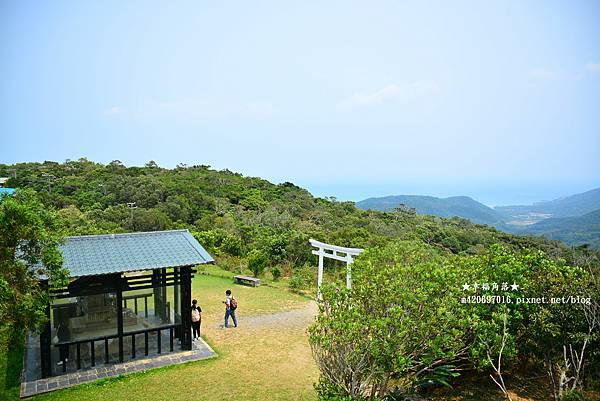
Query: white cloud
[393, 92]
[113, 111]
[183, 106]
[542, 74]
[592, 67]
[588, 69]
[194, 108]
[256, 110]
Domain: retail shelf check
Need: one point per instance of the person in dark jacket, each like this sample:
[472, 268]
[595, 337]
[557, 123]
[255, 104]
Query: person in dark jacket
[63, 335]
[196, 320]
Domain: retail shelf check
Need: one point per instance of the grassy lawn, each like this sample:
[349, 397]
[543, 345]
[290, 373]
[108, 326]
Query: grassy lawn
[209, 289]
[257, 361]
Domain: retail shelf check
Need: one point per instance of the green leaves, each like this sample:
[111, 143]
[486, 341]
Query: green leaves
[29, 237]
[404, 319]
[257, 262]
[395, 319]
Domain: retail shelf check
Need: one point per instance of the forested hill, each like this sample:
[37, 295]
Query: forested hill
[569, 206]
[573, 230]
[233, 214]
[569, 219]
[462, 206]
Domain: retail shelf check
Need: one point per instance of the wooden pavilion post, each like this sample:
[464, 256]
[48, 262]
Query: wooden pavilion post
[186, 301]
[176, 301]
[120, 316]
[46, 342]
[156, 283]
[163, 294]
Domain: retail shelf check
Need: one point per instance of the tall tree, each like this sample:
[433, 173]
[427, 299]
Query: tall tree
[30, 234]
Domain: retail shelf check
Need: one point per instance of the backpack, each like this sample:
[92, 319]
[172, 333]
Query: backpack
[195, 315]
[233, 304]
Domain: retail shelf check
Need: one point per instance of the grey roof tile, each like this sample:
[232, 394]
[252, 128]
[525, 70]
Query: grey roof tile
[112, 253]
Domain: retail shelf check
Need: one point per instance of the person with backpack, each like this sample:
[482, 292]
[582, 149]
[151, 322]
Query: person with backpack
[196, 320]
[231, 305]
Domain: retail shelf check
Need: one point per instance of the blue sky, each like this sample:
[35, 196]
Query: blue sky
[496, 100]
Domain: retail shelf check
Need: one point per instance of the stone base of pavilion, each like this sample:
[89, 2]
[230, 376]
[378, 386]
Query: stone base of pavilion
[32, 384]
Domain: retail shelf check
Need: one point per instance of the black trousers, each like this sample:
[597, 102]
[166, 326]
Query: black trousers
[196, 329]
[63, 351]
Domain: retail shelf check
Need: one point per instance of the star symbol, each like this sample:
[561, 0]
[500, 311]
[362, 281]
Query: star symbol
[465, 287]
[514, 286]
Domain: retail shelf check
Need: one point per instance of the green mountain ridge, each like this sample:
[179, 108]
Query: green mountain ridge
[572, 219]
[460, 206]
[571, 230]
[568, 206]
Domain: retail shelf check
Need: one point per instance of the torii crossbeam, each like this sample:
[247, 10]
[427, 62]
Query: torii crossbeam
[333, 252]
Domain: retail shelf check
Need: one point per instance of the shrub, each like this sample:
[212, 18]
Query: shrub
[220, 241]
[301, 280]
[384, 328]
[404, 324]
[575, 396]
[257, 262]
[232, 245]
[276, 272]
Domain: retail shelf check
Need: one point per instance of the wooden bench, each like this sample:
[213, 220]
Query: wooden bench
[253, 281]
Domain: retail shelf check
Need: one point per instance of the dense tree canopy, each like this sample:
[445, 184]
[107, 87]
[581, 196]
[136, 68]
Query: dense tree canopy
[29, 237]
[245, 213]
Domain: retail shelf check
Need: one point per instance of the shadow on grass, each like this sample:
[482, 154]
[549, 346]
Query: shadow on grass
[124, 378]
[99, 384]
[474, 386]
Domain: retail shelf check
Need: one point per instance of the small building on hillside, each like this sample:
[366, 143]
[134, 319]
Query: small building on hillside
[128, 298]
[3, 181]
[6, 191]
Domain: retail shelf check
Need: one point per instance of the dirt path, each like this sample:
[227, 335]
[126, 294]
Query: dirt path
[270, 353]
[295, 318]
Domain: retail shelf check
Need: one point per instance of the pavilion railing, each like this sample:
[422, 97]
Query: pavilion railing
[92, 341]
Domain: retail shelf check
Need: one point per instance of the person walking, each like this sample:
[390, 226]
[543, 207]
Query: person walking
[62, 335]
[196, 320]
[230, 307]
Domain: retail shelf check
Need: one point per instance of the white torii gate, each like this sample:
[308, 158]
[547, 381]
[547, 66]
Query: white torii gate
[322, 252]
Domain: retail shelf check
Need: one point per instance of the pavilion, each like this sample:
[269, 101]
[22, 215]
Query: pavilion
[128, 296]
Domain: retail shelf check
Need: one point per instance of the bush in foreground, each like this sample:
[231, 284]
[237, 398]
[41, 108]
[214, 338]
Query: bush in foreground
[404, 325]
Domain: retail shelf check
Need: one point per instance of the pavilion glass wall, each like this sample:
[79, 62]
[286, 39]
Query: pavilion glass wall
[81, 318]
[150, 308]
